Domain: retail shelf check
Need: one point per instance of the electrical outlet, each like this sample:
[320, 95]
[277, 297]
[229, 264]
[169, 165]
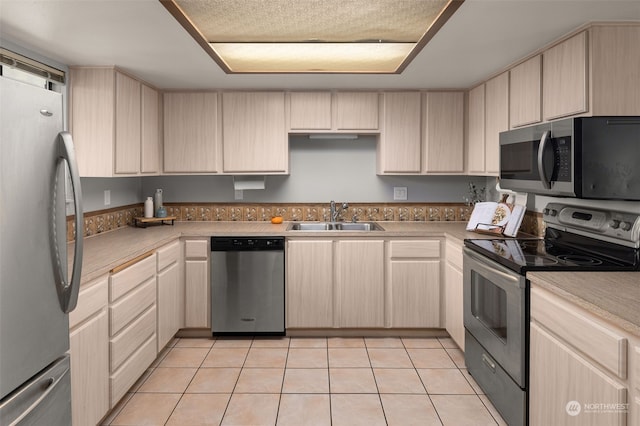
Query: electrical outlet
[400, 193]
[238, 194]
[107, 197]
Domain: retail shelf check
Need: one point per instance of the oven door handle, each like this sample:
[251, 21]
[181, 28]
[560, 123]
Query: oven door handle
[546, 182]
[480, 263]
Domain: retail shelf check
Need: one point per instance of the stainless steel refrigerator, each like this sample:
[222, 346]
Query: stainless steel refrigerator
[35, 292]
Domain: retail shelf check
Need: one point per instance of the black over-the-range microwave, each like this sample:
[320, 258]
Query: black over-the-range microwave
[582, 157]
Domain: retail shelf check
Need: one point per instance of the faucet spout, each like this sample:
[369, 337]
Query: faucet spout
[335, 210]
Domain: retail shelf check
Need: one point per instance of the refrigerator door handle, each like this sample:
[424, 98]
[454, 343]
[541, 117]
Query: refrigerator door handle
[68, 291]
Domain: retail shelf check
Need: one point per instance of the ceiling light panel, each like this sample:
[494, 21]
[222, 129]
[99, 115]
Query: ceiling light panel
[324, 36]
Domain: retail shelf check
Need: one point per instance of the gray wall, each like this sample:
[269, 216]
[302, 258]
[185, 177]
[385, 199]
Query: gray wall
[320, 170]
[124, 191]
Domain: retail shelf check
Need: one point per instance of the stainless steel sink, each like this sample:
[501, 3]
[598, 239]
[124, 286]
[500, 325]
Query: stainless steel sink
[335, 226]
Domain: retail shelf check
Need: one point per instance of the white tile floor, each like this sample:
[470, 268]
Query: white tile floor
[307, 381]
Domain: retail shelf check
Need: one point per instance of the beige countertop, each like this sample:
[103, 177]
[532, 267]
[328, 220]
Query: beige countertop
[612, 296]
[104, 252]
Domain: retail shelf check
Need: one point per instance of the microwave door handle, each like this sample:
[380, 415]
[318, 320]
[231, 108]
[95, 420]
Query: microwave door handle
[541, 171]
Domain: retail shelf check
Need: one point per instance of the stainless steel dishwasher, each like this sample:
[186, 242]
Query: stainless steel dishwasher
[247, 285]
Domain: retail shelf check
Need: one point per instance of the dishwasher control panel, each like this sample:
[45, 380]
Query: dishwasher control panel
[246, 243]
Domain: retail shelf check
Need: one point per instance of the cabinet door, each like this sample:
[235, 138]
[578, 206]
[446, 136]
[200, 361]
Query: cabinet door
[475, 145]
[310, 284]
[415, 293]
[454, 304]
[150, 131]
[128, 107]
[190, 132]
[357, 110]
[92, 119]
[444, 132]
[559, 376]
[564, 78]
[196, 294]
[254, 135]
[496, 119]
[614, 57]
[89, 349]
[525, 92]
[168, 304]
[310, 111]
[399, 149]
[360, 283]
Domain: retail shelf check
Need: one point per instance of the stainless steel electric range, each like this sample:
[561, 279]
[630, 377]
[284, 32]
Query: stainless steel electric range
[496, 291]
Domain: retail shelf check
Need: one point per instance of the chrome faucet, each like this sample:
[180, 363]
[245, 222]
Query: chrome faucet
[335, 211]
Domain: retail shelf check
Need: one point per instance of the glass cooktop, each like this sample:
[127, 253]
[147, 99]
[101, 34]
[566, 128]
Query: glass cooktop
[523, 255]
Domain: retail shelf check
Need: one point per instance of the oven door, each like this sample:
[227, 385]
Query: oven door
[496, 312]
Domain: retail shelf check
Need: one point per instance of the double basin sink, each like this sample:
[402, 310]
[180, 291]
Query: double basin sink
[335, 226]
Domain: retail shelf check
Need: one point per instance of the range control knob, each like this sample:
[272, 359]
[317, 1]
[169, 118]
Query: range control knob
[553, 212]
[614, 223]
[625, 226]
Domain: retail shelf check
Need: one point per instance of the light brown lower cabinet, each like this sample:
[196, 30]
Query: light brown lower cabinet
[170, 292]
[582, 370]
[132, 325]
[413, 286]
[359, 266]
[89, 349]
[309, 288]
[197, 310]
[454, 300]
[335, 283]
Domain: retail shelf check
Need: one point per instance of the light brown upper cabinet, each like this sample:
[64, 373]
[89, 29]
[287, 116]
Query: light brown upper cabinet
[443, 120]
[114, 123]
[615, 69]
[254, 137]
[333, 112]
[496, 120]
[564, 78]
[151, 136]
[191, 132]
[525, 92]
[357, 110]
[476, 133]
[310, 111]
[399, 148]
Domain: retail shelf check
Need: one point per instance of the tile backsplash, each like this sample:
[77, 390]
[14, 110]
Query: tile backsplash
[106, 220]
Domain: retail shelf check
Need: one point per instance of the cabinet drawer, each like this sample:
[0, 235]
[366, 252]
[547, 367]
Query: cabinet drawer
[131, 337]
[126, 280]
[168, 254]
[196, 249]
[91, 299]
[415, 248]
[125, 310]
[593, 339]
[132, 369]
[454, 254]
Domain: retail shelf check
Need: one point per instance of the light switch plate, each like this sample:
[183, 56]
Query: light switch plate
[107, 197]
[399, 193]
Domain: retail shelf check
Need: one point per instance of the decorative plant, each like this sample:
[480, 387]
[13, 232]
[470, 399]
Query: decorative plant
[475, 194]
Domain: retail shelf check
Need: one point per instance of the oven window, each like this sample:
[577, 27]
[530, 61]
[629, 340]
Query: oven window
[489, 305]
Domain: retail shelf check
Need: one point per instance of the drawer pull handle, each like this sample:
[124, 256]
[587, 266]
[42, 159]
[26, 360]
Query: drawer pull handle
[489, 362]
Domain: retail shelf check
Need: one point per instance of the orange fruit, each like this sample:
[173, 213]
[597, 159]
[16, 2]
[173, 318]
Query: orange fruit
[276, 219]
